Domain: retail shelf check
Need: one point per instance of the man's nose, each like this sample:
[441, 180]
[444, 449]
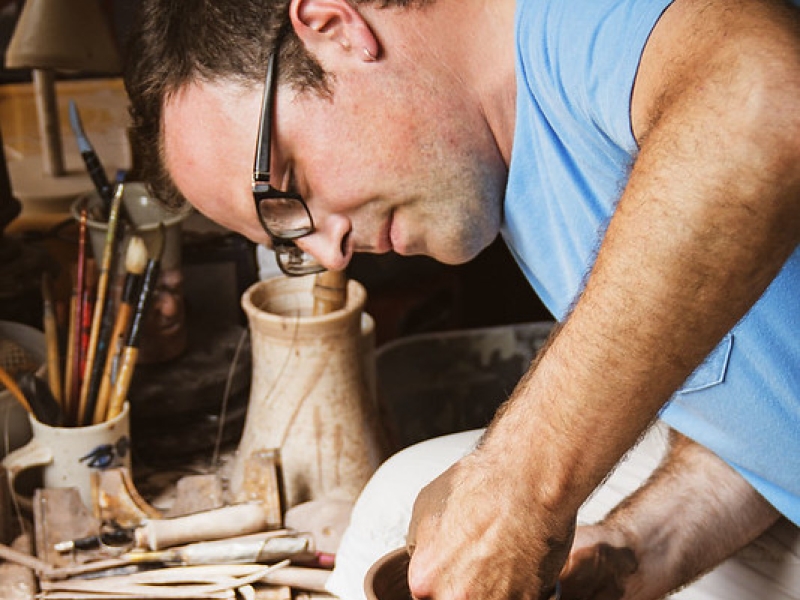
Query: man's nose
[329, 243]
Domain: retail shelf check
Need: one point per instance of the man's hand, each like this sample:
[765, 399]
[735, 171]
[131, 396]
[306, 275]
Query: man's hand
[475, 533]
[598, 567]
[641, 551]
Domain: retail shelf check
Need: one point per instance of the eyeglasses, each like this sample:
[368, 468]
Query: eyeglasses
[284, 215]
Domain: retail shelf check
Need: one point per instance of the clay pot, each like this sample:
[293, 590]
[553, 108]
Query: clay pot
[387, 579]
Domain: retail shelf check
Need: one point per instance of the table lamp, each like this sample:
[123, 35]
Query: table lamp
[50, 36]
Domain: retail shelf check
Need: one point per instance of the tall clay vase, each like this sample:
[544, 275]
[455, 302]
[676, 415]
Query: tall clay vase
[312, 393]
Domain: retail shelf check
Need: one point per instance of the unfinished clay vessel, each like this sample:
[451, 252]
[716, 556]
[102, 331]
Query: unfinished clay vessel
[312, 392]
[387, 579]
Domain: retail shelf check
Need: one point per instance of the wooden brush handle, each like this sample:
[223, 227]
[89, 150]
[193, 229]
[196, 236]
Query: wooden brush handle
[13, 388]
[114, 355]
[124, 375]
[330, 292]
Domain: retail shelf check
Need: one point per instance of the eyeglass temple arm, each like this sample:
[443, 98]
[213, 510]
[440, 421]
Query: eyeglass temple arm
[262, 164]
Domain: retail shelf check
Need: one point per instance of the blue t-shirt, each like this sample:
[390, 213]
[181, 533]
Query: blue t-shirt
[573, 149]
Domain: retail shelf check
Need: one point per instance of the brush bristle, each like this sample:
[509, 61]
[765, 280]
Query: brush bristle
[136, 257]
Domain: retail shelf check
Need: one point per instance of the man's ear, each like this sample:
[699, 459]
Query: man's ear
[333, 29]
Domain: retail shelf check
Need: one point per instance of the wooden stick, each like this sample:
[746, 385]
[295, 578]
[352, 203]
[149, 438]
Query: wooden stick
[26, 560]
[51, 337]
[74, 355]
[330, 292]
[102, 291]
[12, 387]
[71, 349]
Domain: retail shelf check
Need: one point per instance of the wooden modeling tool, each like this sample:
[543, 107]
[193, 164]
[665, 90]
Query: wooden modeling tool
[86, 403]
[130, 354]
[51, 339]
[13, 388]
[135, 262]
[330, 292]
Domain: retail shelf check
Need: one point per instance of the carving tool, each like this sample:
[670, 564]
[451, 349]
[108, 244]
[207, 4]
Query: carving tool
[135, 261]
[91, 160]
[114, 537]
[86, 404]
[127, 362]
[51, 337]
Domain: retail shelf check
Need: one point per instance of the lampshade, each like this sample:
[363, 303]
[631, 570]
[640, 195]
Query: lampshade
[69, 35]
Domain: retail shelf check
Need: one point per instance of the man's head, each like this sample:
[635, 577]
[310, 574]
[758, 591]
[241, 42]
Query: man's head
[385, 153]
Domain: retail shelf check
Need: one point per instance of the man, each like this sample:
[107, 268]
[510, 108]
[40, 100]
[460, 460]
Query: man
[642, 160]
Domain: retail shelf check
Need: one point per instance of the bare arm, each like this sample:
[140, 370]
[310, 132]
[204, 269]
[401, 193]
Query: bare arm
[694, 512]
[710, 214]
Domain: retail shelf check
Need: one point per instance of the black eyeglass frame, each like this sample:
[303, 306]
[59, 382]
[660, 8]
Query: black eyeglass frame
[291, 259]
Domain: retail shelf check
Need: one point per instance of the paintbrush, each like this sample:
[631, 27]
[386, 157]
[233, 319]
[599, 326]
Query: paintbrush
[51, 338]
[13, 388]
[91, 160]
[74, 358]
[73, 310]
[44, 406]
[135, 261]
[127, 362]
[96, 353]
[87, 310]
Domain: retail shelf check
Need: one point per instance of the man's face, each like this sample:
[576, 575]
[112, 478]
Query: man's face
[382, 166]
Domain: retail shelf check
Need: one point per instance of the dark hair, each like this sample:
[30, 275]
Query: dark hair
[175, 42]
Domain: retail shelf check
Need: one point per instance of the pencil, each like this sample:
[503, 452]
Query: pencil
[135, 261]
[102, 290]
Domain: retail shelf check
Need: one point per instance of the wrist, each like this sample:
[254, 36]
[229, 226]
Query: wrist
[538, 458]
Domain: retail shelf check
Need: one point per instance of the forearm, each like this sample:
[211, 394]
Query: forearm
[710, 213]
[694, 512]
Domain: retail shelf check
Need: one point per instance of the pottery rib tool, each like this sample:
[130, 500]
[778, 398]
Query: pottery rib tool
[330, 292]
[51, 339]
[135, 261]
[130, 353]
[86, 404]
